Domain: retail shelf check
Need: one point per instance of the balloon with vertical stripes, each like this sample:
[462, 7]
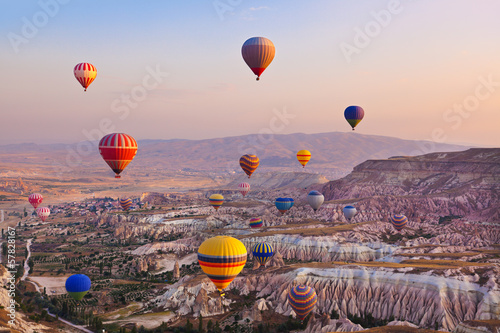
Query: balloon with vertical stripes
[118, 150]
[85, 73]
[258, 53]
[262, 252]
[354, 114]
[35, 199]
[302, 299]
[222, 258]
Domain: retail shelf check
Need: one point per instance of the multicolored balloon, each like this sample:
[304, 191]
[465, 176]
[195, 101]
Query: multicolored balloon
[303, 156]
[284, 204]
[126, 203]
[249, 163]
[244, 188]
[353, 115]
[315, 199]
[78, 286]
[349, 212]
[85, 73]
[43, 213]
[118, 150]
[255, 222]
[216, 200]
[302, 299]
[399, 221]
[258, 53]
[222, 258]
[35, 199]
[262, 252]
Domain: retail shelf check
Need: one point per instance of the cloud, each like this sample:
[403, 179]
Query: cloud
[258, 8]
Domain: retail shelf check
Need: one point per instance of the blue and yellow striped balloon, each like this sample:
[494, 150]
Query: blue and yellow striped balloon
[216, 200]
[77, 286]
[256, 222]
[126, 203]
[262, 252]
[222, 258]
[302, 299]
[284, 204]
[399, 221]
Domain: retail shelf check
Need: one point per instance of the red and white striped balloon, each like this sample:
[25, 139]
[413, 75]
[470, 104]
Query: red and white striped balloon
[118, 150]
[43, 213]
[35, 199]
[85, 73]
[244, 188]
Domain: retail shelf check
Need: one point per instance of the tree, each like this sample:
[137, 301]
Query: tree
[200, 324]
[189, 327]
[25, 212]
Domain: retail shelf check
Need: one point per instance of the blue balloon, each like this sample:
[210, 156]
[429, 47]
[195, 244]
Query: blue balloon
[284, 204]
[78, 285]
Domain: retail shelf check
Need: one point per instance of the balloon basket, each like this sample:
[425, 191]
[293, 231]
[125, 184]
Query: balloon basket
[118, 176]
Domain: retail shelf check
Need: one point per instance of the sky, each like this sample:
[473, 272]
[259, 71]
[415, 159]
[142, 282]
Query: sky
[421, 69]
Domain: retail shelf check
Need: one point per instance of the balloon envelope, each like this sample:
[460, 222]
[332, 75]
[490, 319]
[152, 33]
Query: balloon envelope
[256, 222]
[399, 221]
[216, 200]
[77, 286]
[349, 212]
[303, 156]
[244, 188]
[35, 199]
[249, 163]
[315, 199]
[85, 73]
[118, 150]
[302, 299]
[126, 203]
[222, 258]
[284, 204]
[262, 252]
[353, 115]
[258, 53]
[43, 213]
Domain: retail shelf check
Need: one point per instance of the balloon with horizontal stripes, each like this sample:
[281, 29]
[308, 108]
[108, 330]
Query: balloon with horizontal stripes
[284, 204]
[349, 212]
[303, 156]
[126, 203]
[222, 258]
[77, 286]
[43, 213]
[118, 150]
[216, 200]
[354, 114]
[302, 299]
[244, 188]
[35, 199]
[249, 163]
[258, 53]
[85, 73]
[262, 252]
[255, 222]
[399, 221]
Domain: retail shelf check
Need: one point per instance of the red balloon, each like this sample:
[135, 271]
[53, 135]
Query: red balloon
[35, 199]
[118, 150]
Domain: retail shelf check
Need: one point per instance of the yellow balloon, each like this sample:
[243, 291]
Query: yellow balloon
[304, 156]
[216, 200]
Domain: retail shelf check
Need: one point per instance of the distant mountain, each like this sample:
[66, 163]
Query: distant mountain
[333, 154]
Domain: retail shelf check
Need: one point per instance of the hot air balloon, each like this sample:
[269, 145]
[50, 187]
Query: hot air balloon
[302, 299]
[304, 156]
[258, 52]
[399, 221]
[85, 73]
[349, 212]
[118, 150]
[353, 115]
[126, 203]
[35, 199]
[315, 199]
[216, 200]
[262, 252]
[284, 204]
[222, 258]
[77, 286]
[256, 222]
[244, 188]
[43, 213]
[249, 163]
